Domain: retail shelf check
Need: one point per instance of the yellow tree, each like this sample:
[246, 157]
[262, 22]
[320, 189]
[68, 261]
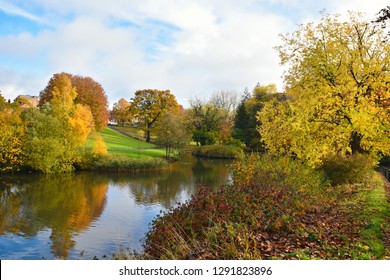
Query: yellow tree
[149, 104]
[89, 93]
[338, 92]
[12, 135]
[57, 129]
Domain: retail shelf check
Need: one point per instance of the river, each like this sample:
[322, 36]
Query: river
[87, 215]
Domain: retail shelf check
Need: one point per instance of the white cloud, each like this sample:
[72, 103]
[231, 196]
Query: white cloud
[191, 47]
[14, 10]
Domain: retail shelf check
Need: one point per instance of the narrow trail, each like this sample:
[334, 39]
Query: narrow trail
[124, 133]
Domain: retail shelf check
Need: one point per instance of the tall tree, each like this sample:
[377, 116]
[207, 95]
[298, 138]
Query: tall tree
[12, 138]
[172, 131]
[246, 123]
[89, 93]
[149, 104]
[338, 88]
[56, 129]
[206, 119]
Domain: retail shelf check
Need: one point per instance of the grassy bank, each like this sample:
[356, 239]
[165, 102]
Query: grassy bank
[214, 151]
[277, 209]
[119, 144]
[123, 154]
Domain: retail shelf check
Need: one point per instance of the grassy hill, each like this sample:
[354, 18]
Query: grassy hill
[120, 144]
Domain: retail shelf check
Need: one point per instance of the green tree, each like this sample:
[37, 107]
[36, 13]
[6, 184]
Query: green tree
[246, 123]
[206, 119]
[149, 104]
[337, 89]
[172, 131]
[57, 129]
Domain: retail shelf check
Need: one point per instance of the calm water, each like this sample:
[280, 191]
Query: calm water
[89, 214]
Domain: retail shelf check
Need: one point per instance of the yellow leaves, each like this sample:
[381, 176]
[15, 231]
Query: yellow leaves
[99, 146]
[11, 141]
[337, 87]
[81, 123]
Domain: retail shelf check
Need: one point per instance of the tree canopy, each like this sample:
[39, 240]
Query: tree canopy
[246, 122]
[56, 129]
[149, 104]
[121, 112]
[338, 95]
[88, 93]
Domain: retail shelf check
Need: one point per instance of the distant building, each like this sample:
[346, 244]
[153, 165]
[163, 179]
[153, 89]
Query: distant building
[27, 101]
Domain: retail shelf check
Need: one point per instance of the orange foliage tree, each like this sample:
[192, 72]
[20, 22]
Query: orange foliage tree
[89, 93]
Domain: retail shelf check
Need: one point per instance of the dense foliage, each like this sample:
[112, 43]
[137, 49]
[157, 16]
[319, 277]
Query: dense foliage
[121, 112]
[214, 151]
[12, 138]
[149, 104]
[56, 130]
[172, 131]
[337, 90]
[246, 124]
[276, 209]
[89, 93]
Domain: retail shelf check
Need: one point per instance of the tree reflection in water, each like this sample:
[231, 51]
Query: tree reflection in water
[63, 210]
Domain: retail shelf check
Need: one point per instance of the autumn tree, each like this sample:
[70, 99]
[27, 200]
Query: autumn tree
[172, 131]
[89, 93]
[121, 112]
[246, 123]
[338, 95]
[57, 129]
[383, 18]
[12, 137]
[149, 104]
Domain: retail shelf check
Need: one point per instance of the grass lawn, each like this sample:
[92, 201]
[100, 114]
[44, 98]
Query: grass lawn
[120, 144]
[131, 131]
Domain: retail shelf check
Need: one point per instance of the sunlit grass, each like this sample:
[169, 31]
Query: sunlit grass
[120, 144]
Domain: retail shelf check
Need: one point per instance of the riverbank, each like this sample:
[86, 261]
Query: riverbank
[285, 212]
[121, 153]
[217, 151]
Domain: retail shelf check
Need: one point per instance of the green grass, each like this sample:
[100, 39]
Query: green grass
[376, 212]
[131, 131]
[120, 144]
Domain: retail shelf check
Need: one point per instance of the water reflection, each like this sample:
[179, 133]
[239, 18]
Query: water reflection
[66, 204]
[61, 217]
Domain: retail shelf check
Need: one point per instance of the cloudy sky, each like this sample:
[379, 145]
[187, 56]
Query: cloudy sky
[192, 47]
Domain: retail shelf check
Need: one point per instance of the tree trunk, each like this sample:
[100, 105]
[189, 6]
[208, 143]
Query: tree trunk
[148, 135]
[355, 143]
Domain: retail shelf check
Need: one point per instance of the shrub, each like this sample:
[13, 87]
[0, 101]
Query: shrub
[351, 169]
[123, 163]
[267, 196]
[118, 163]
[213, 151]
[99, 146]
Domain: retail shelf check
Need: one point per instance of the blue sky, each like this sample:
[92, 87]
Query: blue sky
[192, 47]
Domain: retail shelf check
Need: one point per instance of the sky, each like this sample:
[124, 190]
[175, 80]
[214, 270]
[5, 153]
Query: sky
[194, 48]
